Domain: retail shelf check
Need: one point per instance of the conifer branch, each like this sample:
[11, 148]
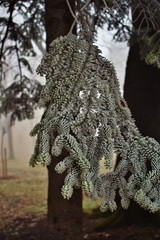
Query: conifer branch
[11, 10]
[84, 107]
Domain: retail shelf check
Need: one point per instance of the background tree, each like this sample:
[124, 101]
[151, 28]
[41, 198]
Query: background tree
[19, 91]
[19, 94]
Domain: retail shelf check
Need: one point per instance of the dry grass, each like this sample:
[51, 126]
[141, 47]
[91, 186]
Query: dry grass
[23, 208]
[23, 194]
[23, 202]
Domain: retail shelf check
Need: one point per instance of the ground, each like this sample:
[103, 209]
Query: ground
[23, 200]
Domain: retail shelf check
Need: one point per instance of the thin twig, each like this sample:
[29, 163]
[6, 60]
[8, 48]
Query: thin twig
[71, 29]
[71, 11]
[149, 9]
[85, 5]
[11, 8]
[135, 9]
[74, 16]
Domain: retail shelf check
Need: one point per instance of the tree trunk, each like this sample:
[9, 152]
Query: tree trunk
[141, 91]
[58, 19]
[142, 85]
[64, 216]
[10, 143]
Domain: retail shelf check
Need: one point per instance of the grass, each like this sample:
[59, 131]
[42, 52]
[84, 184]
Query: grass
[23, 202]
[23, 194]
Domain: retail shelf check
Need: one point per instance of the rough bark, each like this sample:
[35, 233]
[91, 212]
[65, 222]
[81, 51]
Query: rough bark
[64, 216]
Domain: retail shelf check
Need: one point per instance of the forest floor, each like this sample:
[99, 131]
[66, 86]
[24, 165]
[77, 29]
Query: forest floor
[23, 201]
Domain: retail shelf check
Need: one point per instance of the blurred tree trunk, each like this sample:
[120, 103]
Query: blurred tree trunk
[64, 216]
[141, 91]
[10, 138]
[10, 143]
[142, 86]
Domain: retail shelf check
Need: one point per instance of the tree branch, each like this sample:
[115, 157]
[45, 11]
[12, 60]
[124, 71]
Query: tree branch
[11, 9]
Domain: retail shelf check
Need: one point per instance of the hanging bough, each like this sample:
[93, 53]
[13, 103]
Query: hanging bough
[85, 115]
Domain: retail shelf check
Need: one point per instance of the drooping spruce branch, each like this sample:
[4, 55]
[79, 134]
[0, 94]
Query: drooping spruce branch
[85, 115]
